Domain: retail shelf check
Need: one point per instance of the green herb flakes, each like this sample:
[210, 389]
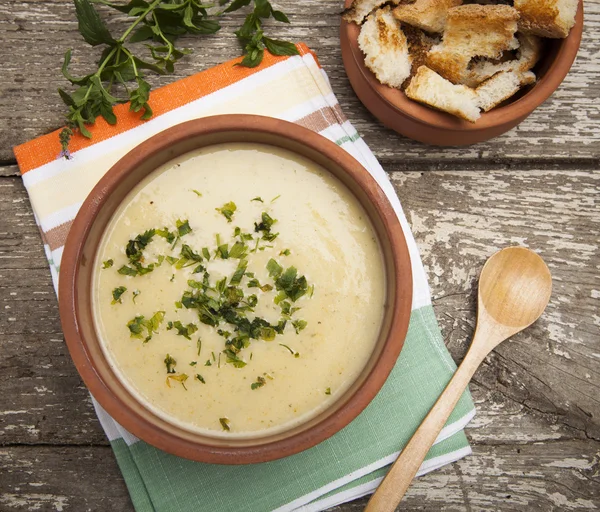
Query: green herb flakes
[274, 268]
[293, 352]
[328, 391]
[183, 227]
[182, 377]
[260, 382]
[258, 199]
[227, 210]
[183, 330]
[199, 194]
[200, 378]
[170, 363]
[135, 294]
[108, 263]
[225, 424]
[285, 252]
[193, 363]
[299, 325]
[117, 293]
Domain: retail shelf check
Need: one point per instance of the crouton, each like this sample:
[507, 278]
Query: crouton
[360, 9]
[527, 56]
[547, 18]
[429, 15]
[419, 44]
[473, 31]
[431, 89]
[385, 47]
[500, 87]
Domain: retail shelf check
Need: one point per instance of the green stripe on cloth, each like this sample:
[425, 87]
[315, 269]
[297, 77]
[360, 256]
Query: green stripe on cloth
[384, 427]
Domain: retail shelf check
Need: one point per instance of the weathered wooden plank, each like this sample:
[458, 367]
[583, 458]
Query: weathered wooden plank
[543, 476]
[459, 218]
[565, 127]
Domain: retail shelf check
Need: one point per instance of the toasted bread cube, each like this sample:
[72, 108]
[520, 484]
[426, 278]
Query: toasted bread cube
[360, 9]
[473, 31]
[500, 87]
[385, 47]
[547, 18]
[429, 15]
[528, 54]
[419, 44]
[431, 89]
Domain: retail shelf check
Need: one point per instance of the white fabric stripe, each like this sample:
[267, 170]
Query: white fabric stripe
[60, 217]
[108, 424]
[447, 432]
[369, 487]
[57, 256]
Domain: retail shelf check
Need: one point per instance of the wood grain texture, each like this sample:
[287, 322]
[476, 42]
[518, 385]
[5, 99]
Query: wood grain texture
[39, 33]
[536, 438]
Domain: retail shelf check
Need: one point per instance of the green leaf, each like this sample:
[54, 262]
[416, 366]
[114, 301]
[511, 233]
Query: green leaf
[66, 98]
[274, 268]
[277, 47]
[262, 8]
[280, 16]
[116, 294]
[143, 33]
[237, 4]
[170, 363]
[227, 210]
[200, 378]
[91, 26]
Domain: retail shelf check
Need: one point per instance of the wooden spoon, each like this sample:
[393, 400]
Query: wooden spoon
[514, 289]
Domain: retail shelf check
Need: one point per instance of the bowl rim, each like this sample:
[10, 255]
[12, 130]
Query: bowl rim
[401, 105]
[143, 427]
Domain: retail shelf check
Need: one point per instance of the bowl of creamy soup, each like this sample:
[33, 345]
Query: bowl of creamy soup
[235, 289]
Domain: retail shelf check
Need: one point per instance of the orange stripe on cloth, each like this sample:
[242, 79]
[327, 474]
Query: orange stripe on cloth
[46, 148]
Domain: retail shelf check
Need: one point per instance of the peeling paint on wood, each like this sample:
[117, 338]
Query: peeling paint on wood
[536, 438]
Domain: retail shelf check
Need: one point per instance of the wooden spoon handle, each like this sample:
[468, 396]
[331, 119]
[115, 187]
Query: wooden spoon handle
[394, 485]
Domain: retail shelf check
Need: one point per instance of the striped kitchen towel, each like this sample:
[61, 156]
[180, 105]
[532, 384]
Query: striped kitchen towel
[351, 463]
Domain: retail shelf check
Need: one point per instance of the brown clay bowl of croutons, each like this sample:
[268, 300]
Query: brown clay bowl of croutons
[461, 76]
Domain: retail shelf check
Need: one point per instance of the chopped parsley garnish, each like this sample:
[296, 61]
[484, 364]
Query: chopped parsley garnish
[135, 294]
[182, 377]
[136, 327]
[193, 363]
[127, 271]
[225, 423]
[293, 352]
[264, 227]
[199, 194]
[200, 378]
[233, 358]
[254, 283]
[328, 391]
[208, 363]
[135, 247]
[116, 294]
[108, 263]
[260, 382]
[289, 282]
[299, 325]
[169, 236]
[237, 276]
[274, 268]
[206, 253]
[183, 227]
[258, 199]
[238, 250]
[199, 345]
[285, 252]
[139, 323]
[183, 330]
[227, 210]
[170, 363]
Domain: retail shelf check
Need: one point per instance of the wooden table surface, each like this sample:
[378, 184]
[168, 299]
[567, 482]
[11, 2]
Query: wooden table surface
[536, 436]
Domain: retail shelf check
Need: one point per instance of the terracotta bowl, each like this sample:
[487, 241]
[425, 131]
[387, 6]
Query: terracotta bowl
[76, 278]
[430, 126]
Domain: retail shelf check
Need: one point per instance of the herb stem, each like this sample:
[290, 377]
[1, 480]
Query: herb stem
[141, 17]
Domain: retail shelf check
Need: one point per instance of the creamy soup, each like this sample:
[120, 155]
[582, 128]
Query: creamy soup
[239, 290]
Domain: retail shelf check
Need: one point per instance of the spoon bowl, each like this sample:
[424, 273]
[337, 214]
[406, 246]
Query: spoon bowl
[514, 289]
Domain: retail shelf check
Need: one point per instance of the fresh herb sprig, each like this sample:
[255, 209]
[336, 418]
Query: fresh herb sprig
[120, 75]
